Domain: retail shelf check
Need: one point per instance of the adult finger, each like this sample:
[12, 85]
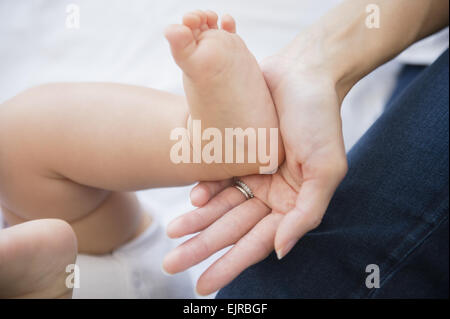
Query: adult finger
[224, 232]
[204, 191]
[221, 203]
[202, 217]
[256, 245]
[311, 204]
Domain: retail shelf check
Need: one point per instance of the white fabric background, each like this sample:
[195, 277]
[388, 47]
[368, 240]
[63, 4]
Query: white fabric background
[122, 41]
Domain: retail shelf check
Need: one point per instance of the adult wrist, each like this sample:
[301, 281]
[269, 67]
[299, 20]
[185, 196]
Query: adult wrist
[328, 54]
[347, 47]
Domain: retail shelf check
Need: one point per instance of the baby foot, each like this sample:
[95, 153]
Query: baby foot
[33, 259]
[224, 85]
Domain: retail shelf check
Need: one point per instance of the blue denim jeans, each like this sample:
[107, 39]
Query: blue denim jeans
[391, 210]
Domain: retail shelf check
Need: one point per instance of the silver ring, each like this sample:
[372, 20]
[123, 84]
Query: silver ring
[243, 188]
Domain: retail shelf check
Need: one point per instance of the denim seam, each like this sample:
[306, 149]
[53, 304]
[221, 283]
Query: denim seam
[396, 267]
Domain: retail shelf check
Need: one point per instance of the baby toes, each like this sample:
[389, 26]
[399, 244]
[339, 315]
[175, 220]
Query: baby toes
[228, 23]
[181, 40]
[193, 21]
[203, 20]
[211, 18]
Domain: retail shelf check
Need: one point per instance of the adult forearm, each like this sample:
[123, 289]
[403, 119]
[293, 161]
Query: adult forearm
[356, 37]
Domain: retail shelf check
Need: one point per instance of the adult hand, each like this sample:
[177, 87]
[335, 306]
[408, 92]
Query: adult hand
[287, 204]
[308, 106]
[308, 81]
